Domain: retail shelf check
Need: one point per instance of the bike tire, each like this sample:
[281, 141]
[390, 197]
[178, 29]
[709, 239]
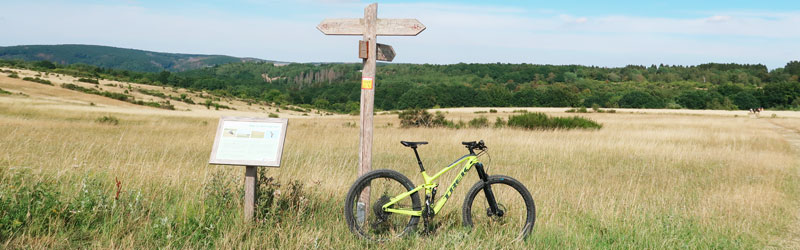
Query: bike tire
[401, 184]
[524, 219]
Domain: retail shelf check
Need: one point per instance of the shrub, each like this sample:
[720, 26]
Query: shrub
[108, 120]
[89, 80]
[13, 75]
[155, 93]
[39, 80]
[423, 118]
[480, 122]
[492, 111]
[596, 108]
[3, 92]
[499, 123]
[578, 110]
[542, 121]
[273, 115]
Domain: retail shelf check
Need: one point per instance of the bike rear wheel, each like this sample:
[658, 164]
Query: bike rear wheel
[369, 220]
[516, 210]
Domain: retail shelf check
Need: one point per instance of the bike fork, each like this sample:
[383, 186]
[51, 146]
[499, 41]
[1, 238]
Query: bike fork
[487, 190]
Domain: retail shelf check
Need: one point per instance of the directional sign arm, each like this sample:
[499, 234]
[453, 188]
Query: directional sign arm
[342, 26]
[386, 27]
[399, 27]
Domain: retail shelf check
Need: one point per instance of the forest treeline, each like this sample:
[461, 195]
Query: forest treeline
[336, 87]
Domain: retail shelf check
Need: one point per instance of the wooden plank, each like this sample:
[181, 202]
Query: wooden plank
[385, 27]
[250, 191]
[342, 26]
[399, 27]
[368, 97]
[385, 53]
[362, 49]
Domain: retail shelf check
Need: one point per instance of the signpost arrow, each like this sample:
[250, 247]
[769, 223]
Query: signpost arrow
[385, 52]
[385, 27]
[369, 27]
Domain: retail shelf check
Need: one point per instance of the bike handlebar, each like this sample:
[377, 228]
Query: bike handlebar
[474, 145]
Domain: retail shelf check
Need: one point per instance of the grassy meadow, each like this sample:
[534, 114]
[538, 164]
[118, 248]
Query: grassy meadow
[69, 179]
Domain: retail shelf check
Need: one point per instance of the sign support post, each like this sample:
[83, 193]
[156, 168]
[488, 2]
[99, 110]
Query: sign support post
[249, 142]
[367, 96]
[250, 191]
[370, 27]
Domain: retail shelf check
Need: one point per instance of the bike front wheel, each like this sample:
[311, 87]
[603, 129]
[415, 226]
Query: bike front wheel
[514, 214]
[367, 219]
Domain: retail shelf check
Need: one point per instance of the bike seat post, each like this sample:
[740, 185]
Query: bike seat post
[421, 169]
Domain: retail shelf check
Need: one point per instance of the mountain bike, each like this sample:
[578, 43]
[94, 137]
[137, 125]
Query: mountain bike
[384, 204]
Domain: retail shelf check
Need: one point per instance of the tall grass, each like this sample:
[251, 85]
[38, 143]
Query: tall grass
[643, 181]
[542, 121]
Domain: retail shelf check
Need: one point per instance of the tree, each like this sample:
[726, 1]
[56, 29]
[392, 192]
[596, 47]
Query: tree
[745, 100]
[792, 68]
[163, 77]
[693, 99]
[527, 97]
[558, 96]
[640, 99]
[499, 96]
[45, 64]
[417, 97]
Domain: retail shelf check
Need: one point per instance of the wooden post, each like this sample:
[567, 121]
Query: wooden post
[368, 95]
[250, 191]
[370, 27]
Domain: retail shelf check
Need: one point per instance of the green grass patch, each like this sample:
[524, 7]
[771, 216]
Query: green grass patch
[38, 80]
[89, 80]
[542, 121]
[108, 120]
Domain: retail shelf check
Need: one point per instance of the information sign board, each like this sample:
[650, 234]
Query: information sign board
[249, 141]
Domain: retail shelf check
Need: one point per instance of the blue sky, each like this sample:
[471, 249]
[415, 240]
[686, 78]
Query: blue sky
[598, 33]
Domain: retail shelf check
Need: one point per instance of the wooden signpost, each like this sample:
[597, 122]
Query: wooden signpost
[370, 27]
[250, 142]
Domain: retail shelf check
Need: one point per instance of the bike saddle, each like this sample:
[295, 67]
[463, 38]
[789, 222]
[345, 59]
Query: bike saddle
[413, 144]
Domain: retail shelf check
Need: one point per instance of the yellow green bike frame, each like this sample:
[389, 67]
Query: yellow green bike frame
[468, 160]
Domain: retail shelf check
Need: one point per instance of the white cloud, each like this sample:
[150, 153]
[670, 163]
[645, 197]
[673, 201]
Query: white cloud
[718, 18]
[455, 33]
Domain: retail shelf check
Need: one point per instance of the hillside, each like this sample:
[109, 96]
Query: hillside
[64, 92]
[335, 87]
[115, 58]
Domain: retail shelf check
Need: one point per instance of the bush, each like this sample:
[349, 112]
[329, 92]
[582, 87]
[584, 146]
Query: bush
[492, 111]
[542, 121]
[3, 92]
[480, 122]
[39, 80]
[273, 115]
[578, 110]
[423, 118]
[13, 75]
[89, 80]
[108, 120]
[499, 123]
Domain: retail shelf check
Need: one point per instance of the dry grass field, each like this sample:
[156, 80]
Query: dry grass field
[645, 180]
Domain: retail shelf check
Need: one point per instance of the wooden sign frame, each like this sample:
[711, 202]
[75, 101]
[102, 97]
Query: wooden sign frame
[219, 134]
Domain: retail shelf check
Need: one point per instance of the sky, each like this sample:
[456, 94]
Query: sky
[599, 33]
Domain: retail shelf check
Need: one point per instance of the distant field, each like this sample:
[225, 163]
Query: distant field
[647, 179]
